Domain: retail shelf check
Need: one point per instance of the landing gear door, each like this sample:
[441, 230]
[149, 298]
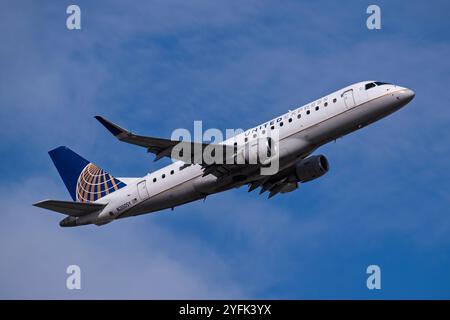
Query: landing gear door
[142, 190]
[349, 99]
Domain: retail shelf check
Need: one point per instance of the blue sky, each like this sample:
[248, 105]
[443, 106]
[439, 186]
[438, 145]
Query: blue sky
[154, 66]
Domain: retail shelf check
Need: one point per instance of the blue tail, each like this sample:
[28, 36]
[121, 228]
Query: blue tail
[85, 181]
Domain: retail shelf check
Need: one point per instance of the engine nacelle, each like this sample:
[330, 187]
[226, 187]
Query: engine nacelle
[311, 168]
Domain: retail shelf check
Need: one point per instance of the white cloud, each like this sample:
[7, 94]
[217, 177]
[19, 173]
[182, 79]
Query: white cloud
[123, 260]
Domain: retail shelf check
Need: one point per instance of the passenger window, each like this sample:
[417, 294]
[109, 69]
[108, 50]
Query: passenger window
[163, 176]
[254, 136]
[172, 172]
[325, 104]
[299, 116]
[308, 112]
[281, 124]
[334, 100]
[317, 108]
[154, 179]
[272, 127]
[290, 119]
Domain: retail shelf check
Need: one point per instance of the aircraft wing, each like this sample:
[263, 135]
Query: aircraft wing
[74, 209]
[165, 147]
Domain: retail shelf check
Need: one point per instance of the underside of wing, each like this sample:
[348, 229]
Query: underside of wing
[282, 182]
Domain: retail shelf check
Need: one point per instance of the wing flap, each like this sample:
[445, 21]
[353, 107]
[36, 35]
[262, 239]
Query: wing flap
[74, 209]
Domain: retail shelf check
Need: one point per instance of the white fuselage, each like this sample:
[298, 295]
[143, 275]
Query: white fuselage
[301, 131]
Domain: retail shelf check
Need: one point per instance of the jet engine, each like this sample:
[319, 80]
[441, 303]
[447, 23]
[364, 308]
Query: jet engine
[311, 168]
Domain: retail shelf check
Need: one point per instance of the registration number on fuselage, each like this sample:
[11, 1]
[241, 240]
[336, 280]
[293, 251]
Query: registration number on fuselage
[124, 206]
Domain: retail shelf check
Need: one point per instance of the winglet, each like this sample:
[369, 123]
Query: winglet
[112, 127]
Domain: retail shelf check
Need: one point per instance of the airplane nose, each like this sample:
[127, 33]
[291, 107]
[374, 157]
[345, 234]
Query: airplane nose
[410, 94]
[407, 95]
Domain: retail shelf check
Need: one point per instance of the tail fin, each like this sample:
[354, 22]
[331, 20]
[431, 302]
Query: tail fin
[85, 181]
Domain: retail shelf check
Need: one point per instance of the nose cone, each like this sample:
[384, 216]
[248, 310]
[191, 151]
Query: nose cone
[407, 95]
[410, 94]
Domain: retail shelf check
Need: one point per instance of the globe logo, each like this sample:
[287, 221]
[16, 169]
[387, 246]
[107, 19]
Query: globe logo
[94, 183]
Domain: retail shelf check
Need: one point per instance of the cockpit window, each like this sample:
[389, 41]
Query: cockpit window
[373, 84]
[370, 85]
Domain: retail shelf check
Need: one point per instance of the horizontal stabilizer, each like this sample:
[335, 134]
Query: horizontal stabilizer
[74, 209]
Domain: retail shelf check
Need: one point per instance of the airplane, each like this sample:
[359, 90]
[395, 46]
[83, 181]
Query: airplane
[100, 198]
